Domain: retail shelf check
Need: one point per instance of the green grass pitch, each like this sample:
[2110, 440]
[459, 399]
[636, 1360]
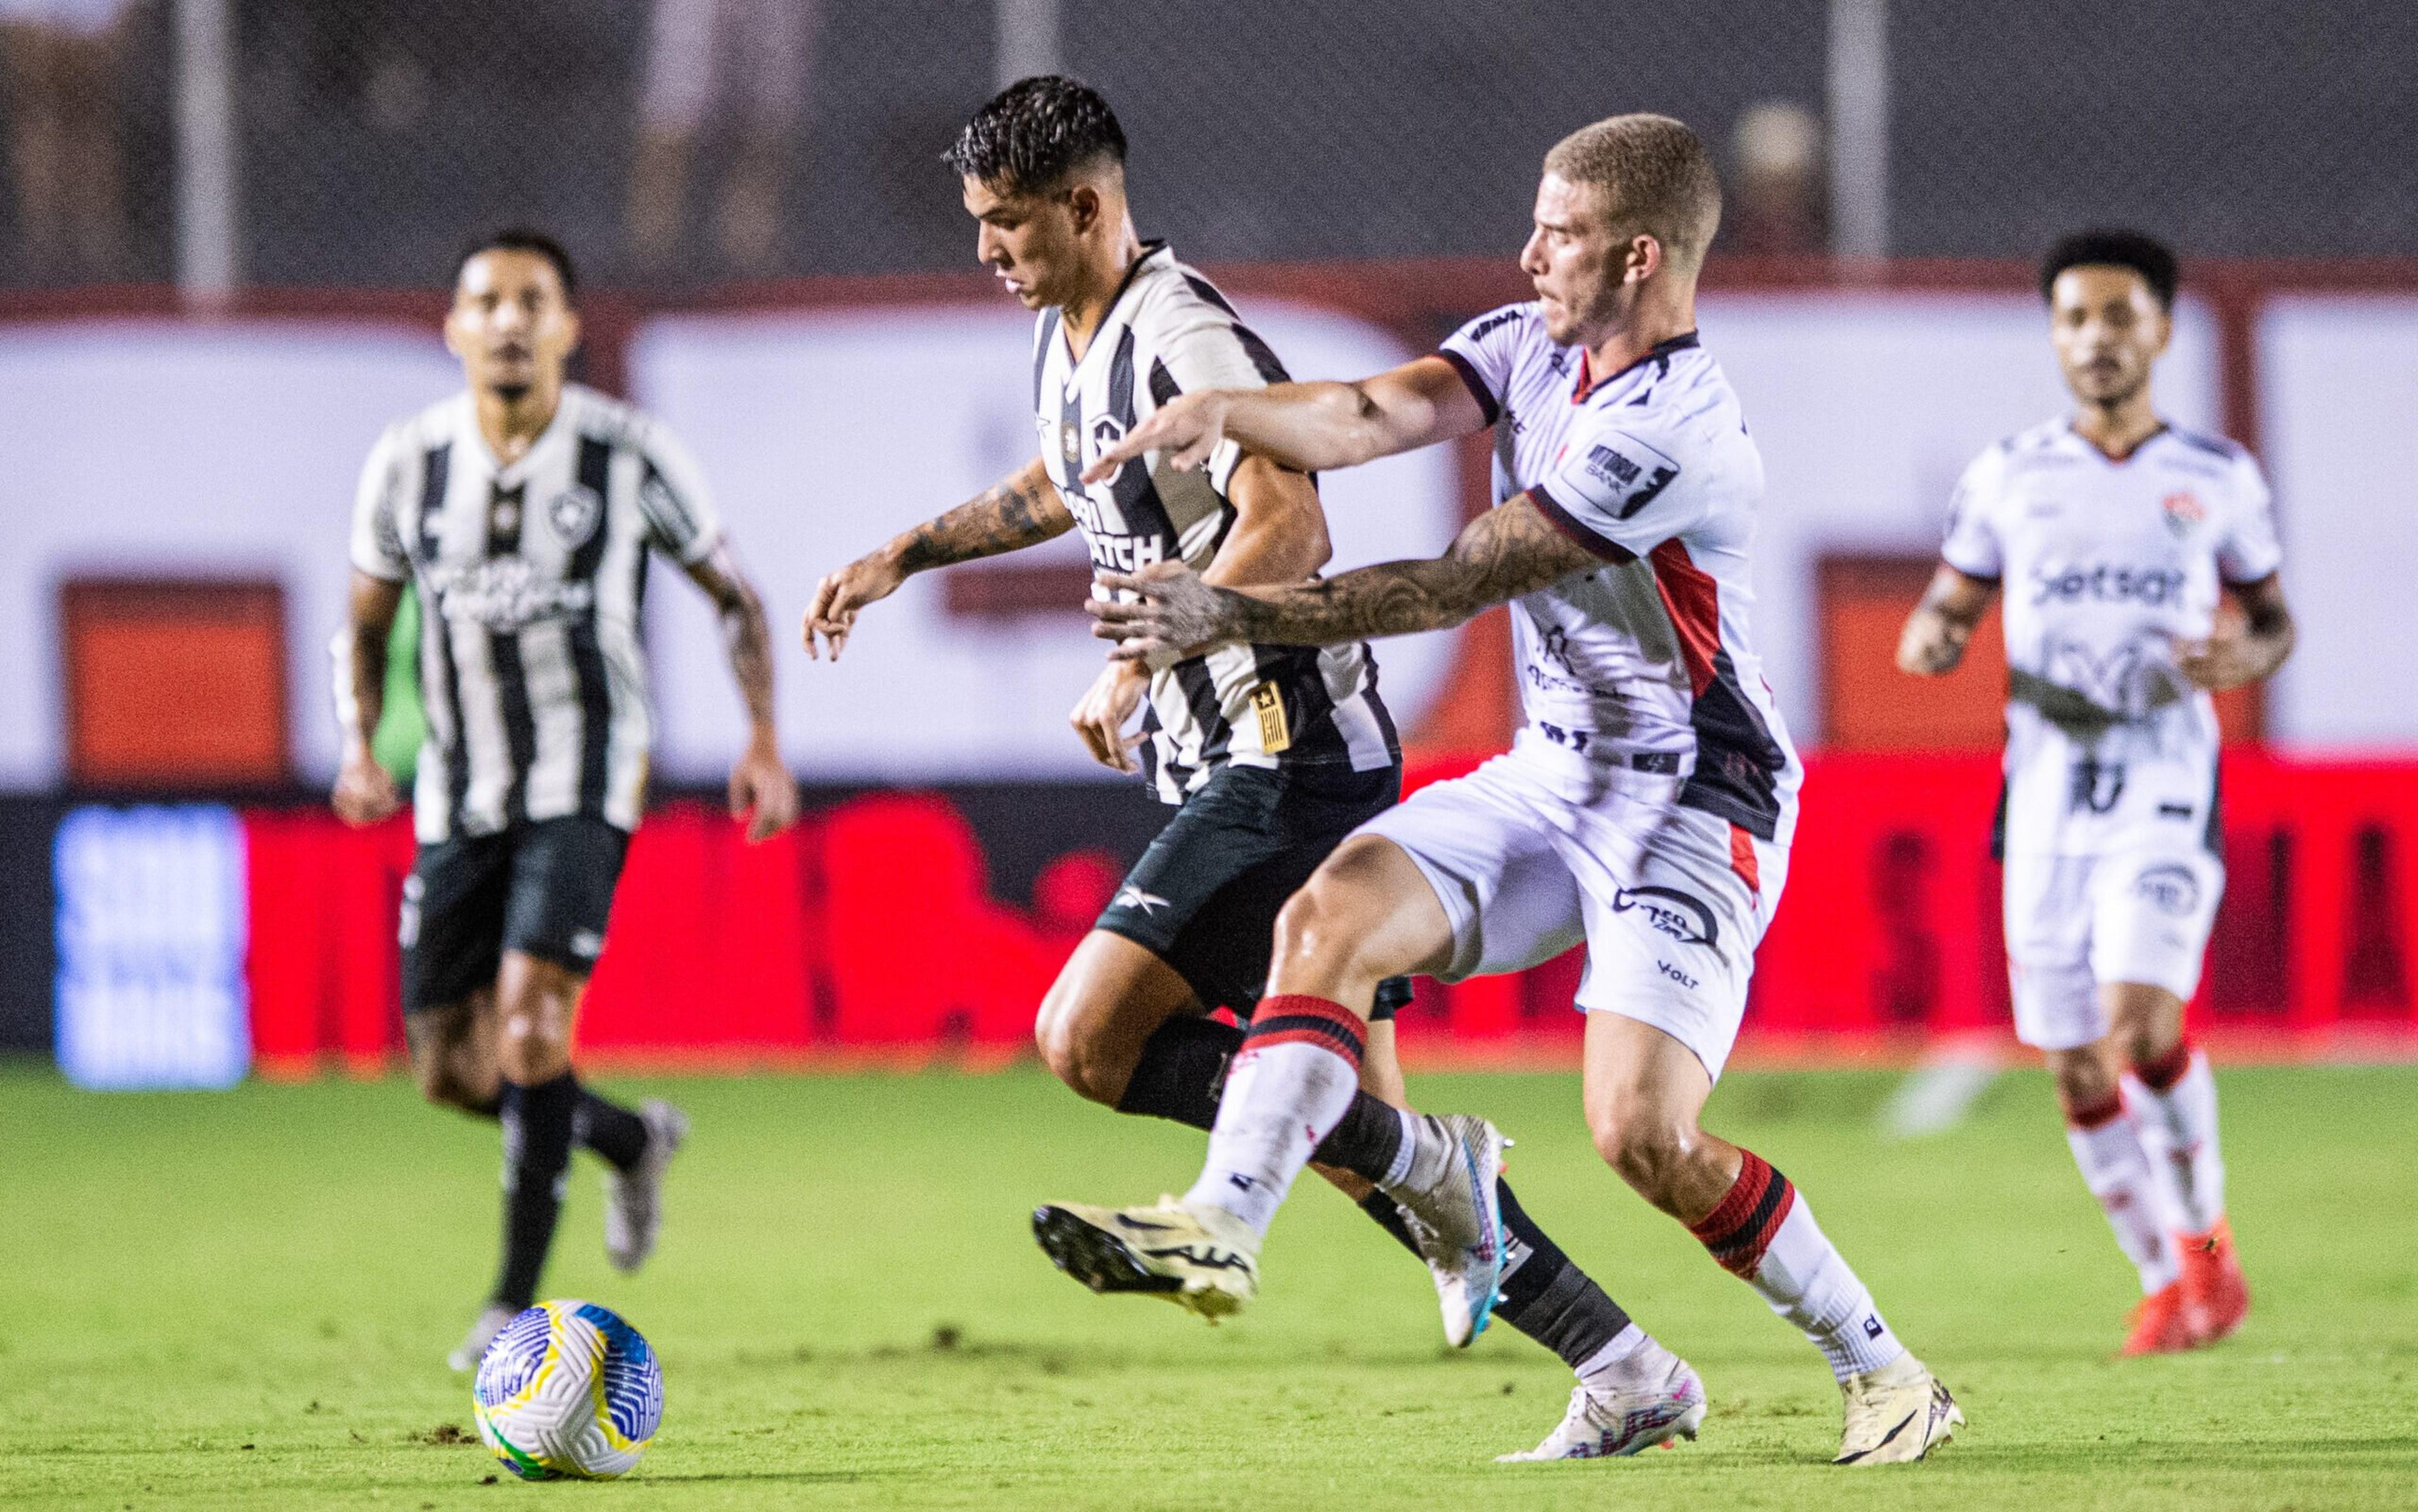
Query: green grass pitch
[243, 1301]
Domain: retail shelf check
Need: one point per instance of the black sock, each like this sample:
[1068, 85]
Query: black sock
[1389, 1214]
[600, 1124]
[609, 1129]
[537, 1157]
[1547, 1297]
[1181, 1071]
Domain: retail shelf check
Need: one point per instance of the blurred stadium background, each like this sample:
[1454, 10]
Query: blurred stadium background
[224, 229]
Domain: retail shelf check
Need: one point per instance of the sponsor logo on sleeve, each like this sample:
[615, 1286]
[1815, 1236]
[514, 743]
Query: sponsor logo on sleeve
[1628, 473]
[1680, 916]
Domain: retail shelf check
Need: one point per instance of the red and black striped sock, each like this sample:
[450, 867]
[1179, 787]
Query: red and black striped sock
[2160, 1074]
[1739, 1228]
[1292, 1082]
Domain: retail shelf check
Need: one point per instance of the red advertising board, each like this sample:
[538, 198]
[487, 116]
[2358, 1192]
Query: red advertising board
[868, 931]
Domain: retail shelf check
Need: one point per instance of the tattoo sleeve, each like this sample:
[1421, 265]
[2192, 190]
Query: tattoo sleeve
[1501, 554]
[1023, 510]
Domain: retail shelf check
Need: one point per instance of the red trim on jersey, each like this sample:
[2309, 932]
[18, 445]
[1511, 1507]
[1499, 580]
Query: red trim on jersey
[1742, 860]
[1693, 602]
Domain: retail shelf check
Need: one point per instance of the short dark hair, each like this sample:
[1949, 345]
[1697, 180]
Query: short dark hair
[523, 239]
[1035, 132]
[2143, 254]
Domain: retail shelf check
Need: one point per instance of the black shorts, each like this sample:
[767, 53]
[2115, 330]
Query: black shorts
[1205, 896]
[545, 889]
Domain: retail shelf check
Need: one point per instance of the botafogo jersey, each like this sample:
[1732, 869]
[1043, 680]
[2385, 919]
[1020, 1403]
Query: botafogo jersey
[1168, 331]
[531, 579]
[1646, 660]
[2104, 566]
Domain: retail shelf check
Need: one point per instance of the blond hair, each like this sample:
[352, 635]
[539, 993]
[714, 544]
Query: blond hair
[1655, 176]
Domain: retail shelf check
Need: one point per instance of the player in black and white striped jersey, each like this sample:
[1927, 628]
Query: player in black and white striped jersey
[525, 509]
[1272, 754]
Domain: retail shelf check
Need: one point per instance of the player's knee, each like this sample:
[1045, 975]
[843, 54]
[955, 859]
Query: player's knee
[2084, 1080]
[1645, 1146]
[1074, 1060]
[1321, 924]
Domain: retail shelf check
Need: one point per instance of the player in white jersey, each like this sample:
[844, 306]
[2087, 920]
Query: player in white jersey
[523, 511]
[2116, 534]
[1274, 753]
[1645, 808]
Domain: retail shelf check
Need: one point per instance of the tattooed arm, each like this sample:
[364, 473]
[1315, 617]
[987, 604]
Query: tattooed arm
[761, 789]
[1502, 553]
[1934, 639]
[1022, 510]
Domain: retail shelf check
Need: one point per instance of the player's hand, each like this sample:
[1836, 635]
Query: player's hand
[2226, 659]
[1100, 718]
[762, 792]
[1932, 645]
[1170, 611]
[837, 598]
[364, 793]
[1185, 430]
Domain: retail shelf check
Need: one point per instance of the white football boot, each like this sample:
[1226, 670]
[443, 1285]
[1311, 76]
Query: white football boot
[490, 1323]
[1896, 1415]
[1652, 1407]
[1204, 1259]
[1450, 1205]
[634, 1199]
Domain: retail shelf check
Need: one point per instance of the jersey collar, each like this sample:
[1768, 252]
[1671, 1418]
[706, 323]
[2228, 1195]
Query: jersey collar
[2110, 459]
[1658, 354]
[1151, 251]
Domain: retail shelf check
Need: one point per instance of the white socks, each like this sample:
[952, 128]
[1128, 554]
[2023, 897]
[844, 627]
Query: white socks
[2137, 1196]
[2178, 1123]
[1291, 1083]
[1764, 1232]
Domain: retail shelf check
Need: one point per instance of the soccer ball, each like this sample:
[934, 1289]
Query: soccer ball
[568, 1389]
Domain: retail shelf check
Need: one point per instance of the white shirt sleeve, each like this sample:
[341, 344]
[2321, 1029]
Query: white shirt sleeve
[2249, 549]
[1483, 352]
[377, 547]
[1201, 348]
[680, 517]
[1622, 486]
[1973, 547]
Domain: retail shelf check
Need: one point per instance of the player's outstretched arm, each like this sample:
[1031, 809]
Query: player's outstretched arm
[761, 789]
[1934, 639]
[1278, 536]
[1502, 553]
[1021, 509]
[1310, 427]
[364, 792]
[2248, 651]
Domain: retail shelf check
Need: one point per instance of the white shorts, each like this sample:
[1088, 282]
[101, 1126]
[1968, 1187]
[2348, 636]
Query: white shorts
[1541, 849]
[2074, 922]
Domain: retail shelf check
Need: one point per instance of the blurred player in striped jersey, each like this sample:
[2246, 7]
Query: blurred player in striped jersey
[1271, 753]
[2116, 534]
[524, 509]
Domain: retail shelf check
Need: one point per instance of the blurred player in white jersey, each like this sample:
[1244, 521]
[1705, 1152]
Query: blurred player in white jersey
[1646, 809]
[2116, 534]
[1272, 754]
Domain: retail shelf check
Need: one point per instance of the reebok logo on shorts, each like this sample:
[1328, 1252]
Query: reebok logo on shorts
[1130, 896]
[1677, 914]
